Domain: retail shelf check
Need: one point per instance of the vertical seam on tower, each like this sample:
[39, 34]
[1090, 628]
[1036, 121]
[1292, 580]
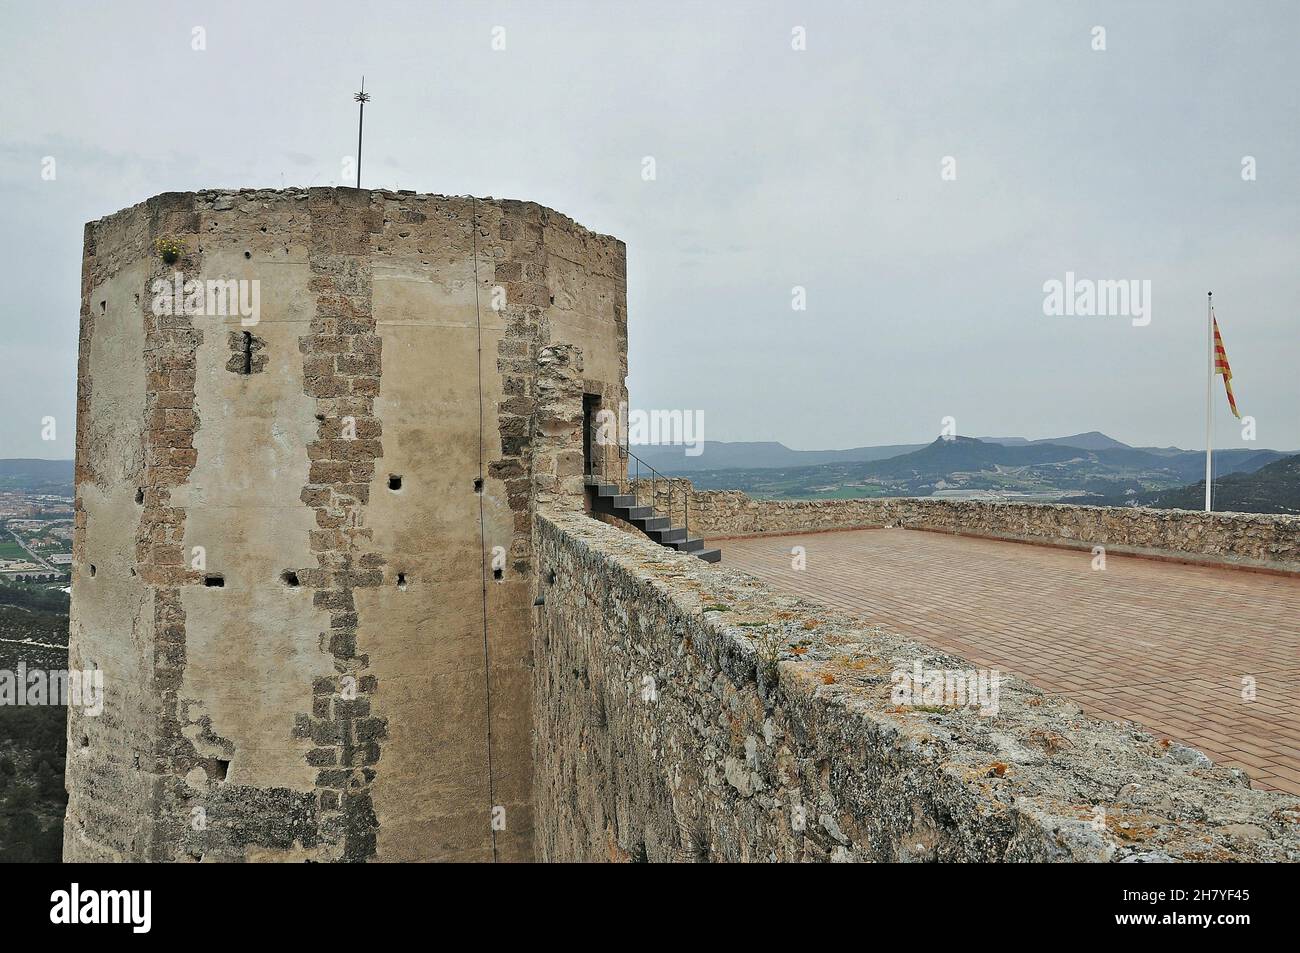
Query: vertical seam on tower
[482, 536]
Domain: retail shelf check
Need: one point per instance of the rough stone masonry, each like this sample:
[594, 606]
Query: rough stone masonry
[688, 713]
[303, 553]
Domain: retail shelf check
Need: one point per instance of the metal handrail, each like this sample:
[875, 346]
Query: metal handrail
[655, 476]
[625, 450]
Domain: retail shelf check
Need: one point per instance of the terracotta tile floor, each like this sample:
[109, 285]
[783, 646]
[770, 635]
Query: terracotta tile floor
[1163, 644]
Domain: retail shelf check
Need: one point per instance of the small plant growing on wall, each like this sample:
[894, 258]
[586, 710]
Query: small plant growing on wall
[768, 648]
[170, 248]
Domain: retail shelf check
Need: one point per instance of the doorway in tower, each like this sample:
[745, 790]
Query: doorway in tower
[590, 408]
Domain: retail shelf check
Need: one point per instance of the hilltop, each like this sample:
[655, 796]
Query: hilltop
[38, 476]
[1274, 488]
[1108, 471]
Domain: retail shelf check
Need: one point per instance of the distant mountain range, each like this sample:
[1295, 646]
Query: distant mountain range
[757, 455]
[1089, 467]
[1092, 440]
[1086, 468]
[41, 476]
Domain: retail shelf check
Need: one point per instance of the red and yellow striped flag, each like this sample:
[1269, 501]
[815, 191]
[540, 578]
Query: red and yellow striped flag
[1221, 367]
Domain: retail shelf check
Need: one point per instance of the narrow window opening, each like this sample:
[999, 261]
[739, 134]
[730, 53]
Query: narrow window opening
[92, 569]
[223, 769]
[401, 580]
[103, 307]
[498, 573]
[139, 494]
[290, 578]
[248, 352]
[478, 485]
[214, 580]
[394, 481]
[85, 741]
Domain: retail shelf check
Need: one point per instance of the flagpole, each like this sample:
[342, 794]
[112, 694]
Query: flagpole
[1209, 402]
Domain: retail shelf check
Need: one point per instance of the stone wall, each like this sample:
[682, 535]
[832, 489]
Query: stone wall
[685, 712]
[1240, 539]
[303, 552]
[558, 422]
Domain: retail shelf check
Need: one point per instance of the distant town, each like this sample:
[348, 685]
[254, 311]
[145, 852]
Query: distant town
[36, 510]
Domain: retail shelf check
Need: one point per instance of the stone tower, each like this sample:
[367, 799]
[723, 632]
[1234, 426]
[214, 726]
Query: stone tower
[308, 453]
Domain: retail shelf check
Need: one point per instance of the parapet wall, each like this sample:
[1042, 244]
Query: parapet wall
[686, 712]
[1241, 539]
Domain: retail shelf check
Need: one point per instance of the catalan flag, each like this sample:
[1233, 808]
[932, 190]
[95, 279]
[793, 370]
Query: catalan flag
[1221, 367]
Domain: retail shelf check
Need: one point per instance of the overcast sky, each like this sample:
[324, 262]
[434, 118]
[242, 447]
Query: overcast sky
[775, 168]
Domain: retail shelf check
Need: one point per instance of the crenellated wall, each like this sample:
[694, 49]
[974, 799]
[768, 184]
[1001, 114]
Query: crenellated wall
[685, 712]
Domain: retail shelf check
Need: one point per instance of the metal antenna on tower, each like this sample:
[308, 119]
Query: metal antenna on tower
[362, 98]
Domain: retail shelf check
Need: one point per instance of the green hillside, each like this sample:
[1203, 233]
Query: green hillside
[1271, 489]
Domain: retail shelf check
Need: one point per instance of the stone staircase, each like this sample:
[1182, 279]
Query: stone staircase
[609, 498]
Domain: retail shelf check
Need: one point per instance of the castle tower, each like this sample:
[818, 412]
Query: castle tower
[308, 451]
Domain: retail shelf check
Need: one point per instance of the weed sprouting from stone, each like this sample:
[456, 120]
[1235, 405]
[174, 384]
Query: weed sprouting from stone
[170, 248]
[768, 649]
[694, 837]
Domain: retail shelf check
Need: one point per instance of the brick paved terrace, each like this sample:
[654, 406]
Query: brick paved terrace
[1164, 644]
